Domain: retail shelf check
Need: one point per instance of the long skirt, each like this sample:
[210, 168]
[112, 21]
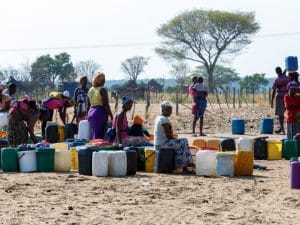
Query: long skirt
[135, 141]
[16, 131]
[279, 106]
[183, 156]
[97, 118]
[292, 130]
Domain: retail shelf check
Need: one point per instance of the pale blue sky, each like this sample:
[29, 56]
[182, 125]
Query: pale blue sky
[112, 24]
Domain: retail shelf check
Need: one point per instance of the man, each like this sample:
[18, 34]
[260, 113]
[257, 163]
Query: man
[81, 101]
[280, 90]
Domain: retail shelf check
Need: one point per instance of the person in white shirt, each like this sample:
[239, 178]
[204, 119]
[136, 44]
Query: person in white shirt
[164, 138]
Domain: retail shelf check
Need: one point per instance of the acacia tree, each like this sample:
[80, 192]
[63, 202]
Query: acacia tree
[134, 66]
[87, 68]
[253, 82]
[204, 36]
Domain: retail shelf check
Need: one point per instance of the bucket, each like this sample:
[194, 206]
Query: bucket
[295, 175]
[260, 148]
[70, 130]
[290, 149]
[164, 160]
[131, 156]
[51, 133]
[205, 163]
[149, 159]
[225, 163]
[243, 163]
[117, 166]
[213, 143]
[61, 133]
[62, 161]
[245, 144]
[45, 159]
[60, 146]
[274, 150]
[85, 156]
[100, 163]
[74, 155]
[291, 63]
[266, 126]
[227, 144]
[9, 159]
[200, 143]
[84, 130]
[27, 161]
[238, 126]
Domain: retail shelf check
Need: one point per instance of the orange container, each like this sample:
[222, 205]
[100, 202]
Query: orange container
[213, 143]
[199, 143]
[243, 163]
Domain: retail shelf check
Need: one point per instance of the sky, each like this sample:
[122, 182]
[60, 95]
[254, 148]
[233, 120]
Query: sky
[110, 31]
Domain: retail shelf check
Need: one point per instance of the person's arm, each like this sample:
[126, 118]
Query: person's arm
[120, 118]
[30, 127]
[105, 102]
[168, 130]
[62, 114]
[272, 98]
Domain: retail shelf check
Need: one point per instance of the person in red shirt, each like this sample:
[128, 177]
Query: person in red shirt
[292, 105]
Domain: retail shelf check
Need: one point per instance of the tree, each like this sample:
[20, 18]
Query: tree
[180, 73]
[134, 66]
[253, 82]
[87, 68]
[223, 76]
[204, 36]
[63, 67]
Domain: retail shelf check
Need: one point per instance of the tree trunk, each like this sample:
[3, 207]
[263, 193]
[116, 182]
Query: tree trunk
[210, 83]
[177, 101]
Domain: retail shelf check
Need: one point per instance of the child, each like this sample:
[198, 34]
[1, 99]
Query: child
[193, 94]
[137, 128]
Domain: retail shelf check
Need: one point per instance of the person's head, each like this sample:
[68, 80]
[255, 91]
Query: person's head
[294, 76]
[278, 70]
[138, 120]
[66, 94]
[127, 103]
[166, 108]
[292, 88]
[12, 88]
[200, 80]
[195, 79]
[83, 81]
[99, 80]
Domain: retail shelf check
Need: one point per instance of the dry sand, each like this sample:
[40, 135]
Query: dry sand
[148, 198]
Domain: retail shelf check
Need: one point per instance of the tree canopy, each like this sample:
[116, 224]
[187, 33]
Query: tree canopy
[204, 36]
[134, 66]
[253, 82]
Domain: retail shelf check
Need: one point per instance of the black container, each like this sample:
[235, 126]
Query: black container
[85, 160]
[164, 160]
[3, 144]
[260, 148]
[70, 130]
[228, 144]
[297, 138]
[51, 133]
[131, 156]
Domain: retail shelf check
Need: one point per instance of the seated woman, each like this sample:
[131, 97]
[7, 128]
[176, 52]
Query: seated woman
[164, 138]
[120, 123]
[22, 117]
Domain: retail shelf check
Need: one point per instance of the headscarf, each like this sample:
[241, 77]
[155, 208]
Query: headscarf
[138, 120]
[125, 99]
[292, 84]
[98, 79]
[164, 105]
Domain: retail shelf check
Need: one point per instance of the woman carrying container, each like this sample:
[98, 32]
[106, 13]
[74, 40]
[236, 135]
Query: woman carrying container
[164, 138]
[99, 109]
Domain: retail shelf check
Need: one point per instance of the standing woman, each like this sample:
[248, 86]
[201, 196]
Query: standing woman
[99, 109]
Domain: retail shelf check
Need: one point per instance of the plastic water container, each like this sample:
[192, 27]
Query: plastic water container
[225, 163]
[117, 166]
[141, 164]
[238, 126]
[295, 175]
[245, 144]
[70, 130]
[290, 149]
[227, 144]
[100, 163]
[74, 155]
[85, 156]
[51, 133]
[200, 143]
[243, 163]
[266, 126]
[213, 143]
[205, 163]
[164, 160]
[9, 160]
[27, 161]
[60, 146]
[131, 156]
[291, 63]
[62, 161]
[61, 133]
[3, 119]
[274, 149]
[84, 130]
[297, 139]
[260, 148]
[45, 159]
[149, 159]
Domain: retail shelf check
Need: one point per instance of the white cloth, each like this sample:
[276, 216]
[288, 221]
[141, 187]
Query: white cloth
[199, 87]
[3, 119]
[159, 132]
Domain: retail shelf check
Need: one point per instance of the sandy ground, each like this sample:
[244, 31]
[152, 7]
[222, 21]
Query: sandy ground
[149, 198]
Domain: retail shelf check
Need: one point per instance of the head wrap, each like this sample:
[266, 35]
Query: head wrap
[138, 120]
[98, 79]
[292, 84]
[125, 99]
[164, 105]
[66, 94]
